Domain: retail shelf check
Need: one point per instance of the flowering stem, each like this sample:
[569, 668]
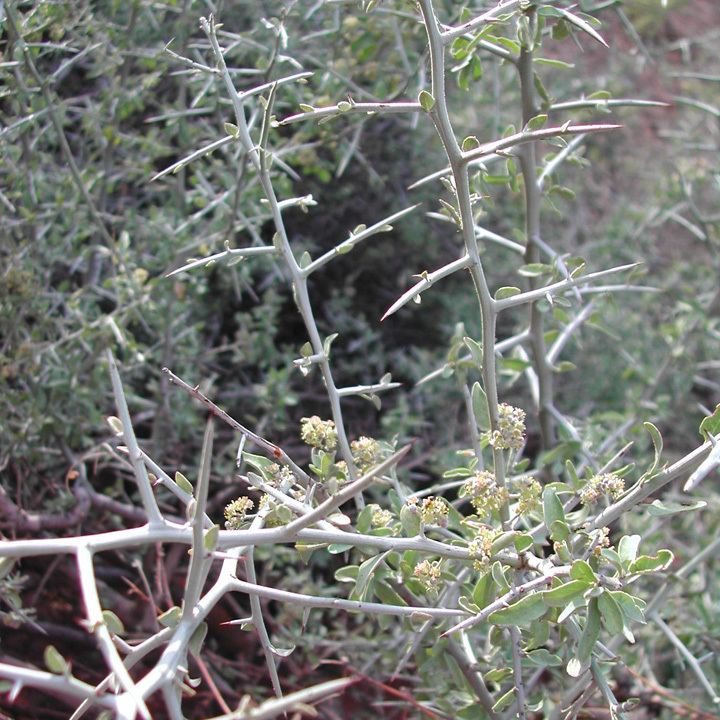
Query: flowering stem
[299, 281]
[528, 165]
[460, 174]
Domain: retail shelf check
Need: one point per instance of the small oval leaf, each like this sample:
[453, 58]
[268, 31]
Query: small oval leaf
[211, 538]
[612, 616]
[522, 612]
[652, 563]
[113, 623]
[426, 100]
[183, 483]
[563, 594]
[580, 570]
[115, 424]
[506, 292]
[480, 407]
[552, 508]
[55, 662]
[591, 632]
[170, 617]
[198, 638]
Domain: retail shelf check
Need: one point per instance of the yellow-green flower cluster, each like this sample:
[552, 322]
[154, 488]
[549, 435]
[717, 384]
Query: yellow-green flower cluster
[601, 540]
[529, 492]
[600, 485]
[365, 452]
[235, 512]
[318, 433]
[280, 475]
[480, 548]
[276, 514]
[485, 494]
[510, 432]
[428, 573]
[434, 511]
[381, 518]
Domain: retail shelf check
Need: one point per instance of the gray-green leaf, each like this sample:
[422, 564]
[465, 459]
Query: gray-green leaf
[170, 617]
[55, 662]
[426, 100]
[113, 622]
[522, 612]
[198, 638]
[552, 508]
[563, 594]
[612, 616]
[183, 483]
[506, 292]
[480, 407]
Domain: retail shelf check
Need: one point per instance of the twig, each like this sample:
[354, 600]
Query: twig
[274, 451]
[257, 157]
[141, 477]
[687, 655]
[57, 125]
[532, 189]
[506, 599]
[97, 626]
[274, 708]
[316, 601]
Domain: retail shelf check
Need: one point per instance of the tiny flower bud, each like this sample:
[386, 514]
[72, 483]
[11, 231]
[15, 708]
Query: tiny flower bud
[480, 548]
[601, 485]
[484, 492]
[434, 511]
[529, 495]
[365, 452]
[510, 432]
[235, 512]
[318, 433]
[428, 573]
[381, 518]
